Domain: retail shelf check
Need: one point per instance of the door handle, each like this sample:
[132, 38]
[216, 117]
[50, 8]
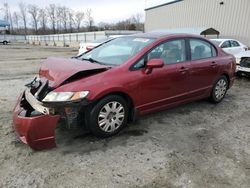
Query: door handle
[183, 70]
[213, 64]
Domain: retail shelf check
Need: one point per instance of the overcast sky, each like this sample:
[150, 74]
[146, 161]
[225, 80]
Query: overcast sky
[103, 10]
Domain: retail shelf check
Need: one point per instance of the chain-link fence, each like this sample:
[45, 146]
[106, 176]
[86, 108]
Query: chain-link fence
[73, 39]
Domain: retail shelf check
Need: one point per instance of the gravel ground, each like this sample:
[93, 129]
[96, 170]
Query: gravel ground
[194, 145]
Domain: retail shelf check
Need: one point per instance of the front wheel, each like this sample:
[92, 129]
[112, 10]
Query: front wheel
[108, 116]
[5, 42]
[219, 90]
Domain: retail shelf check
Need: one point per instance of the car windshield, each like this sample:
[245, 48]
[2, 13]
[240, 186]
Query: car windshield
[117, 51]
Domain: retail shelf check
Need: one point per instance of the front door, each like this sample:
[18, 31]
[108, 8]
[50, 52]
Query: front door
[169, 84]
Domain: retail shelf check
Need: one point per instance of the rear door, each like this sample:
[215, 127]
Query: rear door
[236, 47]
[203, 66]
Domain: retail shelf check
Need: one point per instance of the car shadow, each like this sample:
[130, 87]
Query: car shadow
[80, 141]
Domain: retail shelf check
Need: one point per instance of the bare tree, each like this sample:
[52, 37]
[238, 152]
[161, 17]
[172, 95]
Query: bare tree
[16, 18]
[43, 19]
[7, 15]
[89, 19]
[59, 18]
[79, 16]
[23, 15]
[64, 17]
[123, 25]
[51, 11]
[71, 15]
[6, 11]
[11, 22]
[105, 26]
[34, 12]
[137, 20]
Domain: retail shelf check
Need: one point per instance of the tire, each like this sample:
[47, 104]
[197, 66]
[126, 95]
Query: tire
[5, 42]
[108, 116]
[219, 90]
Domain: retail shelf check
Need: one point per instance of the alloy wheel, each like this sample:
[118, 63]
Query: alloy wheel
[111, 116]
[220, 89]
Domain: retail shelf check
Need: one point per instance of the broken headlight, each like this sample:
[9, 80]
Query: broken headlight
[65, 96]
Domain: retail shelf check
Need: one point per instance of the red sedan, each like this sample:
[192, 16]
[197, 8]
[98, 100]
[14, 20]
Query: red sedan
[118, 81]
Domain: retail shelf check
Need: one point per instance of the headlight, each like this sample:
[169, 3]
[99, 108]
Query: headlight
[64, 96]
[238, 60]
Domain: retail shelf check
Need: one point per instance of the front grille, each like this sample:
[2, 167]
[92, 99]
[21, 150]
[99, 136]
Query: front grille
[245, 62]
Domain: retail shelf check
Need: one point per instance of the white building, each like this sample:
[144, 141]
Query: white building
[229, 17]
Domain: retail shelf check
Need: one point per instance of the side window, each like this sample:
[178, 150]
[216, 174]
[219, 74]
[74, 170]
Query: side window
[140, 64]
[234, 43]
[201, 49]
[226, 44]
[170, 52]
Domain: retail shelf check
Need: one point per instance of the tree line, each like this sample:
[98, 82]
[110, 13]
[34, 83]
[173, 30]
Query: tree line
[55, 19]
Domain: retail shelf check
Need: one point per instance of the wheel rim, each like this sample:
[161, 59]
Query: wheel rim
[111, 116]
[220, 89]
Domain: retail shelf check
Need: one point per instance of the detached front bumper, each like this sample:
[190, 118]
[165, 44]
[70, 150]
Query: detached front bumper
[36, 130]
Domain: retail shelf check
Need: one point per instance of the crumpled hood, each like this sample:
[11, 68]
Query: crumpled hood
[58, 70]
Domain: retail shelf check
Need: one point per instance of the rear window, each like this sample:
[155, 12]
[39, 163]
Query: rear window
[234, 43]
[201, 49]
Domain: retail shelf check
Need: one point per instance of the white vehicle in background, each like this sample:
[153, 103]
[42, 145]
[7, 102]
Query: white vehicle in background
[243, 63]
[4, 40]
[84, 47]
[230, 46]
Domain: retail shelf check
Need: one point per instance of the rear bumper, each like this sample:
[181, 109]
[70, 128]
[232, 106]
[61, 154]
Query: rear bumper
[36, 131]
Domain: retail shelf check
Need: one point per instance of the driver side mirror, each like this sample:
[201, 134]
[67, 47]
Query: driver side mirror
[152, 64]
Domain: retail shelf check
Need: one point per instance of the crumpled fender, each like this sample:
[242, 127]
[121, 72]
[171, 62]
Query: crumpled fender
[38, 132]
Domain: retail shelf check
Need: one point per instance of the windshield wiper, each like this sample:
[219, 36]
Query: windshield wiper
[92, 60]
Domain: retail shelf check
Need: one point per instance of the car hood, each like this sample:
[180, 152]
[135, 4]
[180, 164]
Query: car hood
[243, 54]
[61, 70]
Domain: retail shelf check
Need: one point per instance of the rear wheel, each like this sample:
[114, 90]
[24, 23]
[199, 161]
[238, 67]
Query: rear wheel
[5, 42]
[219, 90]
[108, 116]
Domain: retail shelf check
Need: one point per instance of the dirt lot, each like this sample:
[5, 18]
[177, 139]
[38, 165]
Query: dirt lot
[195, 145]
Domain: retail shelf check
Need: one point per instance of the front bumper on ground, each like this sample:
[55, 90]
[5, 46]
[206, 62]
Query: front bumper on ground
[37, 131]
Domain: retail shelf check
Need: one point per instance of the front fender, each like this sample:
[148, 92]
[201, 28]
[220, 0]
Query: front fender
[101, 94]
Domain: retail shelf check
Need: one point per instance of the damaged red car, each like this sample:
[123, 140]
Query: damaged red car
[118, 81]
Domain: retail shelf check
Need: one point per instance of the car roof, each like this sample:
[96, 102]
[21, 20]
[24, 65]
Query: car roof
[161, 34]
[221, 40]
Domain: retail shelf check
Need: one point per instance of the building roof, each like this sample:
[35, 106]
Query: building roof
[4, 23]
[165, 4]
[196, 31]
